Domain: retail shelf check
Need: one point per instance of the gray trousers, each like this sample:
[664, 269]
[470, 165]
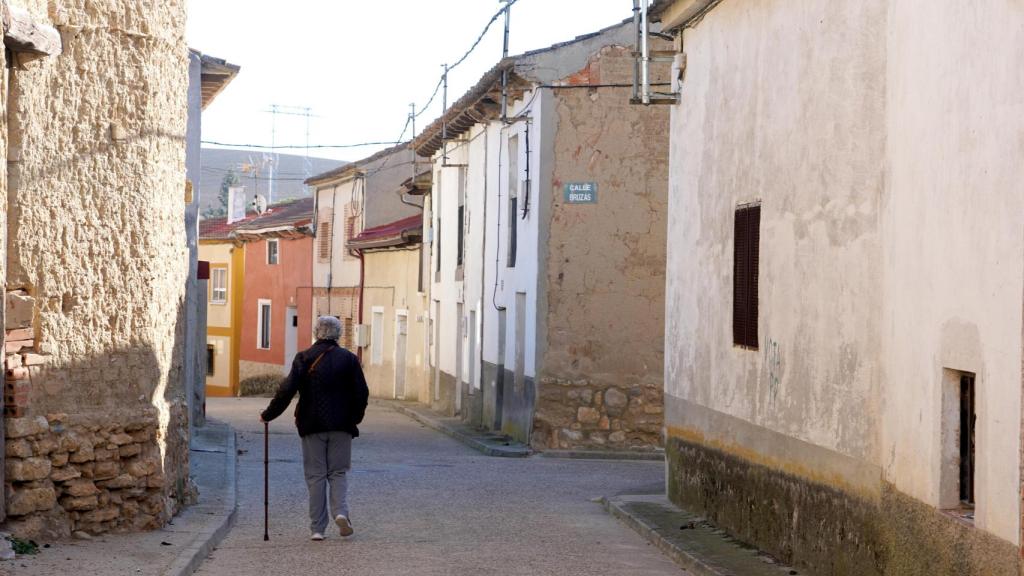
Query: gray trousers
[326, 459]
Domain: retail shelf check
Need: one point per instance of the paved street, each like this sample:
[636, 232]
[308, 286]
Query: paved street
[424, 504]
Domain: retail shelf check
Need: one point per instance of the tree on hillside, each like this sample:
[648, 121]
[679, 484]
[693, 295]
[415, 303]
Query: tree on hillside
[220, 210]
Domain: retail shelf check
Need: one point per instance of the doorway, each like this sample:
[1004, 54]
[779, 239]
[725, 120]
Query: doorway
[291, 336]
[437, 350]
[401, 331]
[460, 334]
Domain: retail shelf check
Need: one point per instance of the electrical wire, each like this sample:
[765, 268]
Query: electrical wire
[462, 59]
[303, 146]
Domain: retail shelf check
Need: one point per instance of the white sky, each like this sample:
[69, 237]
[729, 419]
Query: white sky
[357, 64]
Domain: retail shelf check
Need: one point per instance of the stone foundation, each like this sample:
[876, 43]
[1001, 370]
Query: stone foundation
[72, 473]
[249, 369]
[825, 530]
[582, 414]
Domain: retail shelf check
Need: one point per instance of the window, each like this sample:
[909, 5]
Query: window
[219, 283]
[377, 337]
[437, 247]
[272, 252]
[352, 212]
[324, 235]
[513, 199]
[967, 421]
[746, 251]
[211, 359]
[263, 325]
[462, 217]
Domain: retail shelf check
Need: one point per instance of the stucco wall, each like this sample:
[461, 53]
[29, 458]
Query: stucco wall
[285, 284]
[953, 241]
[96, 237]
[338, 269]
[219, 256]
[758, 104]
[391, 285]
[886, 164]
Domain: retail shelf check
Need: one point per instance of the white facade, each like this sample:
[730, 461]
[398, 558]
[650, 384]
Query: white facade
[333, 266]
[883, 144]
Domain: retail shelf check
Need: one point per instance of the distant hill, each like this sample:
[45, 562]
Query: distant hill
[291, 172]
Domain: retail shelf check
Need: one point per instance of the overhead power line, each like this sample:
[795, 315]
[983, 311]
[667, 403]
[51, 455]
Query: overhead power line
[409, 118]
[299, 147]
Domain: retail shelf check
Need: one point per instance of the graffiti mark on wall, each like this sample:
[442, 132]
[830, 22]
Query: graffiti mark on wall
[773, 367]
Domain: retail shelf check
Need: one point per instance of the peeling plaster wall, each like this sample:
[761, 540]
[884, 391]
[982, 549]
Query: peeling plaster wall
[884, 149]
[96, 237]
[772, 112]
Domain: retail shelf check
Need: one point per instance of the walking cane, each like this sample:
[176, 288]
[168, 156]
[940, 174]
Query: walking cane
[266, 480]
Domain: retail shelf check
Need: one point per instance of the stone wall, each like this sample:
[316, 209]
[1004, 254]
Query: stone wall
[592, 415]
[97, 263]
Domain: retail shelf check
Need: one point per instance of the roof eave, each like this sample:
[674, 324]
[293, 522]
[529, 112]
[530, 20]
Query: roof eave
[480, 104]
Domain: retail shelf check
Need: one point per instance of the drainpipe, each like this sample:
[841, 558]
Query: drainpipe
[636, 61]
[645, 68]
[362, 286]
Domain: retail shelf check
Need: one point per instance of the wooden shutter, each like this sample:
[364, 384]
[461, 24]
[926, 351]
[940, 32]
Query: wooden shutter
[351, 224]
[323, 236]
[745, 273]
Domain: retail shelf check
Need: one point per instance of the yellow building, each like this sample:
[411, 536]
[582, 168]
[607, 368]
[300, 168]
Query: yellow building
[394, 308]
[226, 259]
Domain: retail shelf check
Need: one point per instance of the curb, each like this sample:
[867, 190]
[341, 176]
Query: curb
[597, 455]
[468, 440]
[192, 557]
[684, 559]
[704, 551]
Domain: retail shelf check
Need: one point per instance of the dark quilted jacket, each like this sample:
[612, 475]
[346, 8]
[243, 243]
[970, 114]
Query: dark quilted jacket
[332, 398]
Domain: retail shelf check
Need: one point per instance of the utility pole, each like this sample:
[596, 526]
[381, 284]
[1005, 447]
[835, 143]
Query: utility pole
[412, 120]
[444, 120]
[504, 72]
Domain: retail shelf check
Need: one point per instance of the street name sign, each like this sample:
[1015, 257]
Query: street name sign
[581, 193]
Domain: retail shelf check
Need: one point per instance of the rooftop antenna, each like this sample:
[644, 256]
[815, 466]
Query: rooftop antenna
[301, 111]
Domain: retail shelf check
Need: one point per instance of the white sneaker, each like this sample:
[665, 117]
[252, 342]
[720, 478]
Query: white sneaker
[344, 526]
[316, 537]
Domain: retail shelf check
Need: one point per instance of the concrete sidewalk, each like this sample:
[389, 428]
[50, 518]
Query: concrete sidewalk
[693, 543]
[175, 550]
[488, 443]
[493, 444]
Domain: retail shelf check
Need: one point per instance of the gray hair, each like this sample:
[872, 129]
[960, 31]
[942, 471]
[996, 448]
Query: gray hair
[327, 328]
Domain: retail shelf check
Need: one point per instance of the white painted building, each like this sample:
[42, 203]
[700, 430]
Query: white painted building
[843, 340]
[349, 199]
[499, 243]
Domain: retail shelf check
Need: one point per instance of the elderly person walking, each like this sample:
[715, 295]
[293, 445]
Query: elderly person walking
[332, 401]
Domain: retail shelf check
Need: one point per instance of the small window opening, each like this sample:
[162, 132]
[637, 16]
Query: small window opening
[746, 252]
[513, 200]
[211, 359]
[462, 217]
[272, 252]
[968, 418]
[264, 326]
